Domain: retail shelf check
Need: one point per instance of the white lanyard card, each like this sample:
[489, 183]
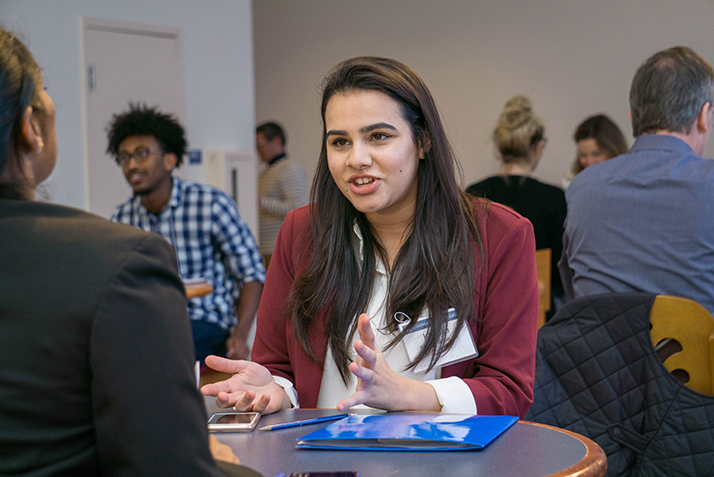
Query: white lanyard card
[464, 348]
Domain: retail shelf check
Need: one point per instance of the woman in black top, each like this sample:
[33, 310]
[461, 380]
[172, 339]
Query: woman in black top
[519, 137]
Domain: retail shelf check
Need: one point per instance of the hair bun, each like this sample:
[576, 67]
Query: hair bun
[517, 129]
[520, 103]
[517, 112]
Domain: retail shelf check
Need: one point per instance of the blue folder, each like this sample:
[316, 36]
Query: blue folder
[408, 431]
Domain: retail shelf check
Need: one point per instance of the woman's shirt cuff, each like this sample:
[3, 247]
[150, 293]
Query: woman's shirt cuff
[289, 389]
[454, 395]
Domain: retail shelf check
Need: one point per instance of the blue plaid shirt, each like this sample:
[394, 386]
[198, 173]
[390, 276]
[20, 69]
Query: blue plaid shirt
[211, 241]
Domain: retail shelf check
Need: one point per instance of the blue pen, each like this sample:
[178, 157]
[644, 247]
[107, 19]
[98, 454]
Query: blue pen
[304, 422]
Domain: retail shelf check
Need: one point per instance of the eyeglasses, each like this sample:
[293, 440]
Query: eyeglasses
[141, 155]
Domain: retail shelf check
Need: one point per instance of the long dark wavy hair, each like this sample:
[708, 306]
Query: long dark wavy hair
[436, 267]
[20, 78]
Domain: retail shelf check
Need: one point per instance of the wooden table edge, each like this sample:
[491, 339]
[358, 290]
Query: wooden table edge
[594, 464]
[197, 290]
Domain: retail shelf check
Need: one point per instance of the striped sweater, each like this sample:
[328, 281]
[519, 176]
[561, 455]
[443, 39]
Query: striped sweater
[282, 187]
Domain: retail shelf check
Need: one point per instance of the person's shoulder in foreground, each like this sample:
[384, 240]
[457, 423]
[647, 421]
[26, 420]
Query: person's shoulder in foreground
[113, 291]
[93, 326]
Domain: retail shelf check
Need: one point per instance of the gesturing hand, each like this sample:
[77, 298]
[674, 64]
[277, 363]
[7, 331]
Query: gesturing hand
[380, 386]
[251, 388]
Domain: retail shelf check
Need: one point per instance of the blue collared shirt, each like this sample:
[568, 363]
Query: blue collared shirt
[211, 241]
[642, 221]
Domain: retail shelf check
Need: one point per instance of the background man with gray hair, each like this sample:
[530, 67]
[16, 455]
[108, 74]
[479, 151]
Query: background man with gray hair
[644, 221]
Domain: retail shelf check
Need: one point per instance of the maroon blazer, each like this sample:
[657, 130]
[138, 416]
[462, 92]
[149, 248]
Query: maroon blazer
[505, 326]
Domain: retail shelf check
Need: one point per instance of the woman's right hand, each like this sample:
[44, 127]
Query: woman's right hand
[251, 388]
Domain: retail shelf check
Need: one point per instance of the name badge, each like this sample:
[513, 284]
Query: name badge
[464, 347]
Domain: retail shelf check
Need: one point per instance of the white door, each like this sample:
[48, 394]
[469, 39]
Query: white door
[124, 62]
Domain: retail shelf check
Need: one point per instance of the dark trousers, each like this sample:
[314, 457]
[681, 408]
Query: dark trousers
[208, 338]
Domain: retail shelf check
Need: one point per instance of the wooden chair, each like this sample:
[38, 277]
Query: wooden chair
[543, 264]
[683, 335]
[597, 374]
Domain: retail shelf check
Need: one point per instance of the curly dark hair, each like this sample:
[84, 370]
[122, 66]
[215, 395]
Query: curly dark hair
[141, 120]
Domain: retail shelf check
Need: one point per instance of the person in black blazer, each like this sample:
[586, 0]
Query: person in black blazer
[96, 356]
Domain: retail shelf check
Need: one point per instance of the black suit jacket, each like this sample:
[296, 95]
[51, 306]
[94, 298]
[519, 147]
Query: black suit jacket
[96, 356]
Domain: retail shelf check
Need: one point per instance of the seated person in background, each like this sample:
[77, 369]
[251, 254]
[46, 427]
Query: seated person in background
[519, 136]
[93, 326]
[391, 237]
[597, 139]
[201, 222]
[641, 221]
[282, 186]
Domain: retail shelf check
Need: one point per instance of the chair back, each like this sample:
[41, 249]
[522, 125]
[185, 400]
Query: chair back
[685, 326]
[543, 261]
[598, 374]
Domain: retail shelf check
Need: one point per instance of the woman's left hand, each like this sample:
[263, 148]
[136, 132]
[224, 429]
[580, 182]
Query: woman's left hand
[378, 385]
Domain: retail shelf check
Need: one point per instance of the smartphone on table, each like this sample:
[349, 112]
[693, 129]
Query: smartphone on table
[233, 421]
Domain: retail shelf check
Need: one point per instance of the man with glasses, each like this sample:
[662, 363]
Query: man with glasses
[201, 222]
[642, 222]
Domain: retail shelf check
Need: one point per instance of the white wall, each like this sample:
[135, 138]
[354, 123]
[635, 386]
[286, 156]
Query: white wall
[573, 58]
[218, 71]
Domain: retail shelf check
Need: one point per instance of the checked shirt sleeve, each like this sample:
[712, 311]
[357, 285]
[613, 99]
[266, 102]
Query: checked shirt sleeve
[235, 241]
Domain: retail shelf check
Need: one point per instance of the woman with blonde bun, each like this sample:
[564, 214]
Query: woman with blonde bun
[520, 138]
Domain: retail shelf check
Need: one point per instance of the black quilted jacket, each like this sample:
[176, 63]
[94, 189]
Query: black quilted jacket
[597, 374]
